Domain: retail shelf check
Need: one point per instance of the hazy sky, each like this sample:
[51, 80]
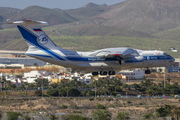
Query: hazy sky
[62, 4]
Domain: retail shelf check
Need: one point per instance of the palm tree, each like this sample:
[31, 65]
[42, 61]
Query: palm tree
[169, 80]
[4, 82]
[125, 86]
[116, 82]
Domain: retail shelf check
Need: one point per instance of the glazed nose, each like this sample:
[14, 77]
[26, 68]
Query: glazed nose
[172, 60]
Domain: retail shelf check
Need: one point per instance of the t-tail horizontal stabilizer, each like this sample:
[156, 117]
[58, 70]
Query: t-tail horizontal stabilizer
[28, 22]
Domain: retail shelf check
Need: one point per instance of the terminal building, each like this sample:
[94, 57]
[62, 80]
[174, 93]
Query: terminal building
[18, 59]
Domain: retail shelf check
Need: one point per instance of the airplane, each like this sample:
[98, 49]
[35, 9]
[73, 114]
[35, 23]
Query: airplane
[103, 61]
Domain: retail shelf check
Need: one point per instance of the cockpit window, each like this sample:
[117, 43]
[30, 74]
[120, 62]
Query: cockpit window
[165, 53]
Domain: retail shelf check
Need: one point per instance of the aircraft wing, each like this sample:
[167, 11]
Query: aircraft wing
[119, 54]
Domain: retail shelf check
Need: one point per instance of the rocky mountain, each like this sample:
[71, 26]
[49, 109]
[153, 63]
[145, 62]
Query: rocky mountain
[145, 15]
[89, 10]
[5, 13]
[52, 16]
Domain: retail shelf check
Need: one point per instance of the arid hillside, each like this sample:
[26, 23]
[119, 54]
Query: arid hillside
[85, 106]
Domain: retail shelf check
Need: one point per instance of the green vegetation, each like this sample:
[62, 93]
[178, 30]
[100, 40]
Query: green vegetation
[77, 117]
[99, 106]
[101, 115]
[91, 99]
[27, 117]
[128, 101]
[64, 106]
[122, 116]
[168, 110]
[172, 34]
[12, 115]
[1, 115]
[105, 87]
[38, 92]
[53, 117]
[148, 116]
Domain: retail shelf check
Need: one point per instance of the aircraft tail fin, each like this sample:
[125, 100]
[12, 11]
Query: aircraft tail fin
[34, 35]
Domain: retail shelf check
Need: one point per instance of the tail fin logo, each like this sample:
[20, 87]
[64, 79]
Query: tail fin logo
[42, 40]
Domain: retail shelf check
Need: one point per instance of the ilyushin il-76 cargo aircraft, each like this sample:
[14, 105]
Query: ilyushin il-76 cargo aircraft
[103, 61]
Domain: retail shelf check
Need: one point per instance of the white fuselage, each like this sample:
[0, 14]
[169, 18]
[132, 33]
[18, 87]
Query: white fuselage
[86, 61]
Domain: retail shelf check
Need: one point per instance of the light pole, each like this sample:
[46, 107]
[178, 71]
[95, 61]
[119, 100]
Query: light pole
[26, 90]
[42, 87]
[95, 89]
[128, 81]
[164, 77]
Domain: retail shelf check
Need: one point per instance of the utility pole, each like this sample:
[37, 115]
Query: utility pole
[26, 90]
[128, 81]
[164, 77]
[95, 89]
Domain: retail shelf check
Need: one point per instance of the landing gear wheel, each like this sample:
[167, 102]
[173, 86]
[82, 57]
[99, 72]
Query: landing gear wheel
[112, 72]
[103, 73]
[94, 73]
[147, 71]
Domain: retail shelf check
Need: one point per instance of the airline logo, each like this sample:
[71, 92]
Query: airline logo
[43, 39]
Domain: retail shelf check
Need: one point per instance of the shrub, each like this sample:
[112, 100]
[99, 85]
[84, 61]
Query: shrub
[53, 117]
[114, 93]
[91, 99]
[109, 99]
[101, 115]
[98, 99]
[74, 92]
[64, 106]
[74, 107]
[77, 112]
[99, 106]
[90, 93]
[148, 115]
[128, 101]
[27, 117]
[52, 92]
[122, 115]
[118, 89]
[13, 115]
[0, 115]
[164, 111]
[38, 92]
[77, 117]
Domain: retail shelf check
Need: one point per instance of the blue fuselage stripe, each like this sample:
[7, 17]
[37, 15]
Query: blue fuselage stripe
[97, 59]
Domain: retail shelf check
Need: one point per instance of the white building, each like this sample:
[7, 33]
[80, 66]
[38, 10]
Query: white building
[132, 75]
[86, 78]
[31, 76]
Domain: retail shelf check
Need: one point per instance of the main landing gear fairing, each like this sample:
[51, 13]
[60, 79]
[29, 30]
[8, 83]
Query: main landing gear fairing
[103, 73]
